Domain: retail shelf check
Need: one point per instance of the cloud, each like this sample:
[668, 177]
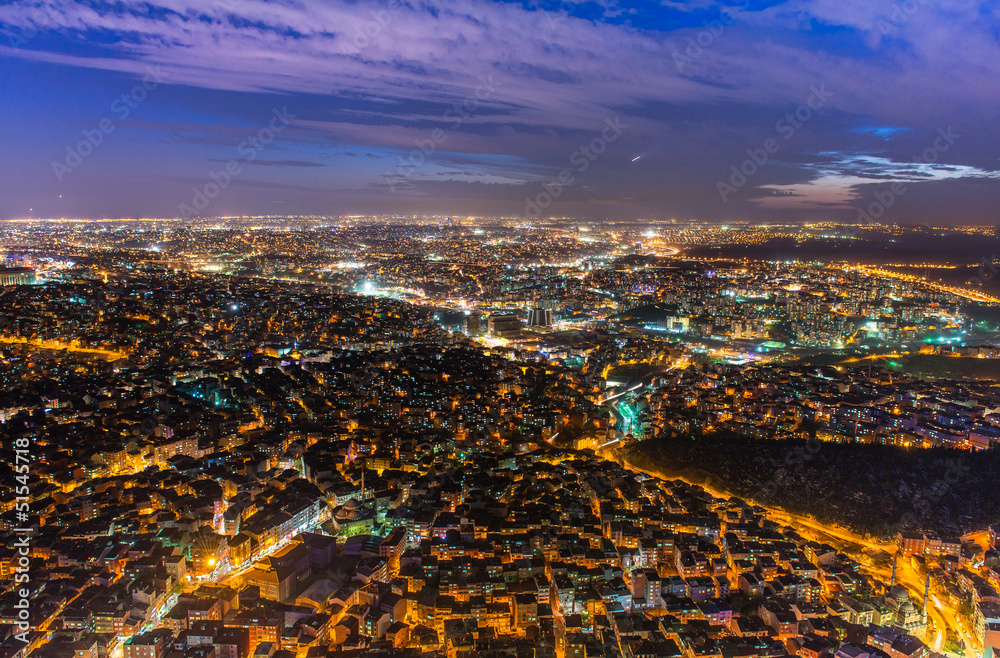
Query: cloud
[278, 163]
[842, 182]
[549, 73]
[375, 78]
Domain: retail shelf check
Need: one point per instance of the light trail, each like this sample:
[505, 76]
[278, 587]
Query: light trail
[965, 293]
[944, 616]
[618, 395]
[60, 346]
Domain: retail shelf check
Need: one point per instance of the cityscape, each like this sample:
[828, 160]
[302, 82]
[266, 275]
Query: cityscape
[458, 436]
[499, 329]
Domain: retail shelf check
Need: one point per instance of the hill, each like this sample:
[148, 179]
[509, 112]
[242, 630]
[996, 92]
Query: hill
[873, 490]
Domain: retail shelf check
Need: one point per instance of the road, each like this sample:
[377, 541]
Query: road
[225, 571]
[628, 418]
[941, 613]
[627, 414]
[58, 345]
[965, 293]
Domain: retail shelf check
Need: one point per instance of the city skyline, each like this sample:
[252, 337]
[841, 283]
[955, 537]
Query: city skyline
[499, 329]
[480, 438]
[778, 111]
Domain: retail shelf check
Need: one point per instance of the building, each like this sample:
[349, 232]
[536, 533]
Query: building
[540, 317]
[354, 518]
[473, 325]
[504, 326]
[232, 642]
[276, 584]
[910, 543]
[153, 644]
[907, 615]
[986, 616]
[17, 276]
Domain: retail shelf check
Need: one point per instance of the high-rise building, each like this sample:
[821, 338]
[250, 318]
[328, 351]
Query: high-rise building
[473, 325]
[540, 317]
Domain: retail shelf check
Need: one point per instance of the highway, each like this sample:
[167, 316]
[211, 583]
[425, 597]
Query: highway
[966, 293]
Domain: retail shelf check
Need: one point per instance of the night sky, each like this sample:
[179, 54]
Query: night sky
[590, 109]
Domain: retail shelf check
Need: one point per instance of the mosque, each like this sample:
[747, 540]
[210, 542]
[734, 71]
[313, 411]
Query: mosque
[353, 518]
[906, 615]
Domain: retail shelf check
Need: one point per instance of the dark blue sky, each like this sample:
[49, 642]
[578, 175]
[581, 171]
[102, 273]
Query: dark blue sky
[724, 111]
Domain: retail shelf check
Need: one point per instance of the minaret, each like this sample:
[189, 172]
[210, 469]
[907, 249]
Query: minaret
[894, 558]
[927, 592]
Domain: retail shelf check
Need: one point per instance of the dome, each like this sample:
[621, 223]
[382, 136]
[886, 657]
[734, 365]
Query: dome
[907, 608]
[351, 510]
[899, 594]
